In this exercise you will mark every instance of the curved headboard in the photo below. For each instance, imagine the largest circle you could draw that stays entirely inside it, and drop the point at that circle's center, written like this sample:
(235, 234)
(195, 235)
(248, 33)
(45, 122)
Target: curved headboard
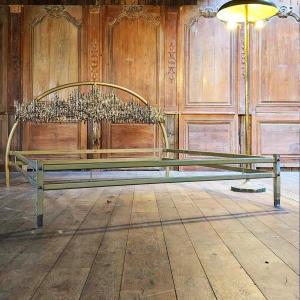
(76, 84)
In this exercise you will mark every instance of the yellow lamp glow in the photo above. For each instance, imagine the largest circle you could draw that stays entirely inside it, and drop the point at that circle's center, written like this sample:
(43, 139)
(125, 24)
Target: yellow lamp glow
(246, 11)
(232, 25)
(259, 24)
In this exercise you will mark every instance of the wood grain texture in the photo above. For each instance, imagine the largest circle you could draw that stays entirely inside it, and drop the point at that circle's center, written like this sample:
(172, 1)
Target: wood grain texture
(134, 51)
(14, 67)
(273, 88)
(208, 133)
(133, 136)
(146, 267)
(3, 81)
(3, 136)
(164, 241)
(208, 82)
(53, 51)
(3, 58)
(277, 133)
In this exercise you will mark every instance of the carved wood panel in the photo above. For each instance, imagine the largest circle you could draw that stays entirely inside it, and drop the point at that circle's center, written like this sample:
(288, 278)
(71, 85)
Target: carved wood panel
(3, 137)
(275, 91)
(278, 133)
(208, 63)
(3, 81)
(276, 66)
(3, 59)
(215, 133)
(128, 136)
(171, 25)
(52, 56)
(212, 133)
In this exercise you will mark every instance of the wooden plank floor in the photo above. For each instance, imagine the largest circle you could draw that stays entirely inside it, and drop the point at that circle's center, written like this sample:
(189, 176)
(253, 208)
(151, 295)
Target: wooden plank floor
(165, 241)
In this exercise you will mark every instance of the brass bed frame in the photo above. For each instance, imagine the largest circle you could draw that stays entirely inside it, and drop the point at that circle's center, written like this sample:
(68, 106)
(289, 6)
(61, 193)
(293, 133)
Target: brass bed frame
(34, 169)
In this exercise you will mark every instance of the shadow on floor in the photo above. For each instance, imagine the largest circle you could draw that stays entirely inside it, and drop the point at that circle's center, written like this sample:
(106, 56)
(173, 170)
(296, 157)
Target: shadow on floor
(45, 233)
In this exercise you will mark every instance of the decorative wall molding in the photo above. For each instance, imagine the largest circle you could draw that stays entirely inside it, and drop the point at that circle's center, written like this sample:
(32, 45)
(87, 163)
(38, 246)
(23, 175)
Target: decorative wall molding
(56, 11)
(172, 61)
(94, 60)
(285, 11)
(94, 9)
(15, 9)
(243, 54)
(203, 99)
(207, 12)
(135, 12)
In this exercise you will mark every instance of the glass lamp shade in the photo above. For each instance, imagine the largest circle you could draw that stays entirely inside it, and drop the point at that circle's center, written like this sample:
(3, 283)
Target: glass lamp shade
(242, 10)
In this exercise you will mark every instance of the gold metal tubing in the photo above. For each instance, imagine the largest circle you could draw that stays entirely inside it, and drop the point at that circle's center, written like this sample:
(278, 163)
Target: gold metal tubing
(247, 102)
(165, 136)
(10, 137)
(86, 151)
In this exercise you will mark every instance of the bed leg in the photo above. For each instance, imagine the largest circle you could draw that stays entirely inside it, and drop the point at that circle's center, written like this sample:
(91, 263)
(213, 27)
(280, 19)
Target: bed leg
(39, 195)
(39, 207)
(276, 180)
(167, 171)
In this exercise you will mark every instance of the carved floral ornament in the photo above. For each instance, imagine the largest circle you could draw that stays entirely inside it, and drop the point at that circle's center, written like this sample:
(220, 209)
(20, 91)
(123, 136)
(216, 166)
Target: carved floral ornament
(56, 11)
(211, 12)
(172, 61)
(207, 12)
(15, 9)
(94, 59)
(134, 12)
(285, 12)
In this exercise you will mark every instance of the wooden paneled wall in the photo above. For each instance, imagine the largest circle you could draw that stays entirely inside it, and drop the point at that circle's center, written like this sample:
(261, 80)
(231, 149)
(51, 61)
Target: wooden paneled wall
(275, 90)
(180, 58)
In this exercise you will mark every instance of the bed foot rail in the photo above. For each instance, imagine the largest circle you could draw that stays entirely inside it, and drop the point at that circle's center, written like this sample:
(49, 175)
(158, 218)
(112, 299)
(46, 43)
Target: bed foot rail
(276, 180)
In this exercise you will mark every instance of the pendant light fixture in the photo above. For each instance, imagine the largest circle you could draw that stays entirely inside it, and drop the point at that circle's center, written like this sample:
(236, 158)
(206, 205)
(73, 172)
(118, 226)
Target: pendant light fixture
(242, 11)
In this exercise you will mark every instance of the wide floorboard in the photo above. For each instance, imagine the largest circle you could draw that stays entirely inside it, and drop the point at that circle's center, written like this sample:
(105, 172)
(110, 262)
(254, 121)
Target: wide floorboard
(164, 241)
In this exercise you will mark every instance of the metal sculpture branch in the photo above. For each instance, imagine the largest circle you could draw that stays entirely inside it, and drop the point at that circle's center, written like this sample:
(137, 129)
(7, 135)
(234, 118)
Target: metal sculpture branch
(93, 105)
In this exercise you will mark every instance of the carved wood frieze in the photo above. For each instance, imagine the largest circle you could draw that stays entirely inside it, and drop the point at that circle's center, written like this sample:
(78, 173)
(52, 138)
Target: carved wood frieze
(207, 12)
(56, 11)
(285, 11)
(95, 9)
(94, 60)
(172, 61)
(134, 12)
(242, 47)
(15, 9)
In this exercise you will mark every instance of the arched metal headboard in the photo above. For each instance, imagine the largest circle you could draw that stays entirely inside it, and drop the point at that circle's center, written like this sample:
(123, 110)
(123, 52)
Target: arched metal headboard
(68, 85)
